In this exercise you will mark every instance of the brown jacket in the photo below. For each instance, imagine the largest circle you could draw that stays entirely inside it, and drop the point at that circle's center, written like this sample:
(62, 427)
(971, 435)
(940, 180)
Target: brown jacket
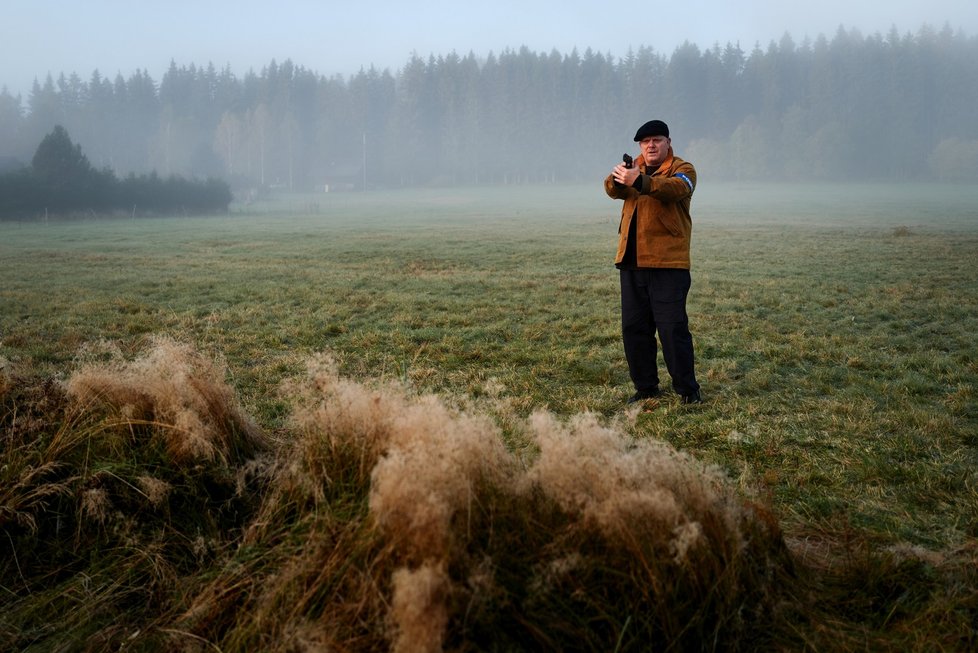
(661, 207)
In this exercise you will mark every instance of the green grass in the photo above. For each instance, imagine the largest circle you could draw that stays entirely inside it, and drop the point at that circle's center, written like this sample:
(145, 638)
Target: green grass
(835, 329)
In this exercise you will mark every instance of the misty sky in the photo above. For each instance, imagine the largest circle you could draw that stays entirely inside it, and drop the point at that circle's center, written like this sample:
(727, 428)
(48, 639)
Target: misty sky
(38, 37)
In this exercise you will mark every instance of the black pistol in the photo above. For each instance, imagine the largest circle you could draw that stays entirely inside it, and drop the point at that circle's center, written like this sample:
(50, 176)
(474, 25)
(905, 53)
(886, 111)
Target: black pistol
(627, 160)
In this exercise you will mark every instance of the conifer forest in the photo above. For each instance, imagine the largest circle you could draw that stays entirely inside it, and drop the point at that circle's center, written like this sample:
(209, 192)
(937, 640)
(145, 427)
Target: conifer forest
(848, 106)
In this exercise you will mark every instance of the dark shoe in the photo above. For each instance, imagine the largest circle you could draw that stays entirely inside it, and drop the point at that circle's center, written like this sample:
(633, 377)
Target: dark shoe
(693, 397)
(642, 395)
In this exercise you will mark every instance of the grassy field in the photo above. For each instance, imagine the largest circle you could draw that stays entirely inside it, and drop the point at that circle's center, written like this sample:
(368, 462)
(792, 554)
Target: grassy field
(836, 330)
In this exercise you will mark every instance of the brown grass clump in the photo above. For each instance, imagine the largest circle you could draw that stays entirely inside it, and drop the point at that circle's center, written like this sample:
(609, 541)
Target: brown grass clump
(30, 416)
(436, 464)
(371, 481)
(598, 539)
(103, 511)
(419, 608)
(177, 389)
(657, 546)
(613, 483)
(380, 521)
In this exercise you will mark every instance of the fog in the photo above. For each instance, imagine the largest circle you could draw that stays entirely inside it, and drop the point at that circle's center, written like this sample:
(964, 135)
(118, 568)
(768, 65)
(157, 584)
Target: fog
(310, 96)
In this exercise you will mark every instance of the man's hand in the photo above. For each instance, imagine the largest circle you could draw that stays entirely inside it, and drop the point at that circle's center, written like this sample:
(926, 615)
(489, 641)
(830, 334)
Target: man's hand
(625, 176)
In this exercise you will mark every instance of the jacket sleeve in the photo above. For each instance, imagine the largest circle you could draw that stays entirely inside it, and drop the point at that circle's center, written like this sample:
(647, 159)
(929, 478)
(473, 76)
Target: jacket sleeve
(617, 191)
(674, 188)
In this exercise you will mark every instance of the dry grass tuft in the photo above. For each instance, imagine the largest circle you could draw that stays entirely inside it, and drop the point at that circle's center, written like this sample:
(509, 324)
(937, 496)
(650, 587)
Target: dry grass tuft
(102, 518)
(95, 504)
(419, 608)
(177, 389)
(614, 482)
(397, 522)
(384, 521)
(31, 442)
(156, 490)
(472, 536)
(435, 463)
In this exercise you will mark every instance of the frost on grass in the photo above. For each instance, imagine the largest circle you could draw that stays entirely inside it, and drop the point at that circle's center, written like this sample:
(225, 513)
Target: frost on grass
(175, 388)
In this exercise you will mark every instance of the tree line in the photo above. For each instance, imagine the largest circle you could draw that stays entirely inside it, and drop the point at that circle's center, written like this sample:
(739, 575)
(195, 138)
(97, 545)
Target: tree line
(61, 181)
(851, 107)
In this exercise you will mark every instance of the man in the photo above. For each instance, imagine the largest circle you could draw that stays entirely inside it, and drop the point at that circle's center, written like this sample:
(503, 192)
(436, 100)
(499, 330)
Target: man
(653, 263)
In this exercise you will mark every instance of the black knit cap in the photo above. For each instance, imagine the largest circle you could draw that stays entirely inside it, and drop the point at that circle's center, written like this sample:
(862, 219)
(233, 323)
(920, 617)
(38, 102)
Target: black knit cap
(652, 128)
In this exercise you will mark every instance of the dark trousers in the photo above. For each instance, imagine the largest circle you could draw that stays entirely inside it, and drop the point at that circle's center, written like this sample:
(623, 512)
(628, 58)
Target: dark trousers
(654, 301)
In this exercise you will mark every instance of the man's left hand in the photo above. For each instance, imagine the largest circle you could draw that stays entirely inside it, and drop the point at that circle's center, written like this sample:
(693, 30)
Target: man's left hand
(625, 176)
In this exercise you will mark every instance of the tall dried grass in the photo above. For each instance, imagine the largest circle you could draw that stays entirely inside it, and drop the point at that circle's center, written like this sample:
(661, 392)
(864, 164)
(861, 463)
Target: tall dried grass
(114, 487)
(600, 540)
(453, 542)
(180, 391)
(31, 443)
(382, 521)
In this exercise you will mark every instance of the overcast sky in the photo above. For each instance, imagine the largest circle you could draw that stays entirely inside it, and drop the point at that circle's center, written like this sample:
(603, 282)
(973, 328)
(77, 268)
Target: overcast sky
(38, 37)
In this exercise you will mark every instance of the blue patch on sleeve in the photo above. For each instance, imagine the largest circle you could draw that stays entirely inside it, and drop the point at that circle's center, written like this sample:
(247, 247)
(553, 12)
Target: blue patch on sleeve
(687, 180)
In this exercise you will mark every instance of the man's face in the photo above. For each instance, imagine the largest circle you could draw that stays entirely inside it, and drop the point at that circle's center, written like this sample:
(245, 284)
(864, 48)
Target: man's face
(655, 149)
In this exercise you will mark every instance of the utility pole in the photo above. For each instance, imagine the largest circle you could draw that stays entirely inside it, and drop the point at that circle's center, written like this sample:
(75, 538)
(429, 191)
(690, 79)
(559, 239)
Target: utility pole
(365, 162)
